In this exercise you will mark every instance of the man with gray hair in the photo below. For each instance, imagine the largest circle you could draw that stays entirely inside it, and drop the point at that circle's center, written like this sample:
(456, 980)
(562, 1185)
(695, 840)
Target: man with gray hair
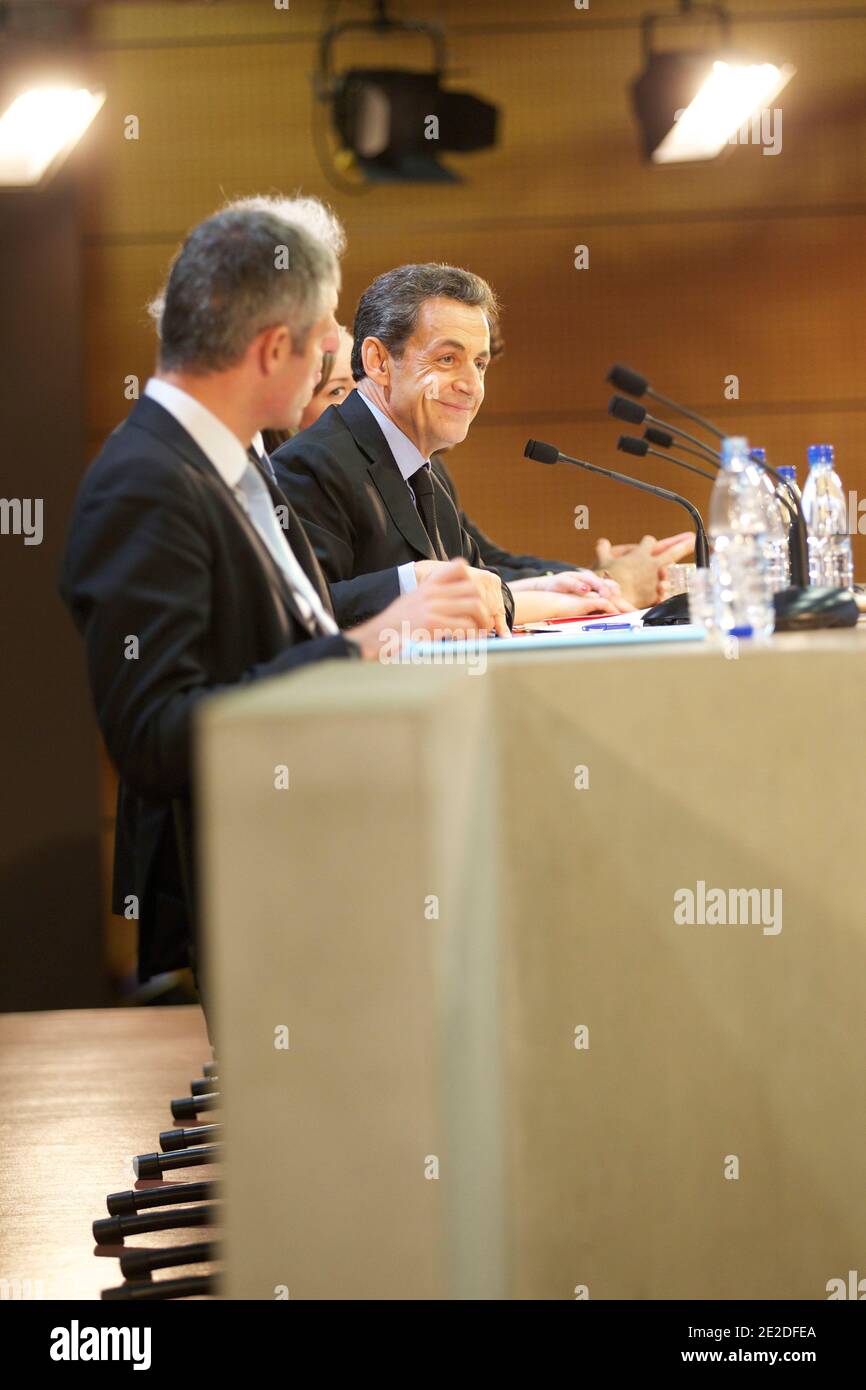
(179, 570)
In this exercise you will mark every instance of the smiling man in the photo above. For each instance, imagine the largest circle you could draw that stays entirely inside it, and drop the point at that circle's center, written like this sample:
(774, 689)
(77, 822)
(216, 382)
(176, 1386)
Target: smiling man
(379, 518)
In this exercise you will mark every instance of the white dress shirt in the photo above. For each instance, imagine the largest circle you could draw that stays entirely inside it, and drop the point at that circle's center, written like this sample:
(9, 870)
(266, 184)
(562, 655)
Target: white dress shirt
(229, 457)
(409, 459)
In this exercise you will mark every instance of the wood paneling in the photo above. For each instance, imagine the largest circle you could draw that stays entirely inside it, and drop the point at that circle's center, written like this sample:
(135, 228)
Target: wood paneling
(230, 112)
(769, 302)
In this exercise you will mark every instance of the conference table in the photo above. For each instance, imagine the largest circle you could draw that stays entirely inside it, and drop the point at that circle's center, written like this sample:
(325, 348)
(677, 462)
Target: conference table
(81, 1091)
(541, 976)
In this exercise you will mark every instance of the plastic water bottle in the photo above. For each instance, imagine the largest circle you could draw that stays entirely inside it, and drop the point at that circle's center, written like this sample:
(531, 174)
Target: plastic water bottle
(776, 548)
(742, 596)
(826, 513)
(789, 473)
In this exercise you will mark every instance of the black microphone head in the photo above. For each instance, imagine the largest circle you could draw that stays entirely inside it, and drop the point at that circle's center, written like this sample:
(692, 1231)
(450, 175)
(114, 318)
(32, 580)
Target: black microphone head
(629, 444)
(542, 453)
(659, 437)
(624, 379)
(629, 411)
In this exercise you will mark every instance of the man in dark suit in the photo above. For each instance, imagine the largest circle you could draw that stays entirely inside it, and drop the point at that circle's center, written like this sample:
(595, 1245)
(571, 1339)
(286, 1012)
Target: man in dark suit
(186, 569)
(378, 516)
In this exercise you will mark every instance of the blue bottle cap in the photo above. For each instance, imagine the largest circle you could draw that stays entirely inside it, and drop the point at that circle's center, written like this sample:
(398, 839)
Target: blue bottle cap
(747, 631)
(734, 446)
(788, 472)
(819, 453)
(759, 455)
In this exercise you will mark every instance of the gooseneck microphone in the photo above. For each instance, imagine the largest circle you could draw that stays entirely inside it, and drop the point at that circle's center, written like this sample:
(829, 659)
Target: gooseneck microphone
(633, 414)
(630, 444)
(546, 453)
(666, 441)
(633, 384)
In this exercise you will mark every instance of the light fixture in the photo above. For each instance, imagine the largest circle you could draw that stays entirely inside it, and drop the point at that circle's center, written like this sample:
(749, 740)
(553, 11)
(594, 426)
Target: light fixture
(691, 103)
(39, 128)
(393, 123)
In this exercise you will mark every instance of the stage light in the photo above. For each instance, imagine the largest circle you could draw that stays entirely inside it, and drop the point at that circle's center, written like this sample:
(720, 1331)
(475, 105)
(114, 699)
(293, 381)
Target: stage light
(393, 123)
(690, 103)
(39, 128)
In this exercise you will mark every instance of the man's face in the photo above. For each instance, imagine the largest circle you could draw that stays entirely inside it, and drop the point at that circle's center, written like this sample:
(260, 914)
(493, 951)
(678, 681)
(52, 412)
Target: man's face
(303, 369)
(436, 387)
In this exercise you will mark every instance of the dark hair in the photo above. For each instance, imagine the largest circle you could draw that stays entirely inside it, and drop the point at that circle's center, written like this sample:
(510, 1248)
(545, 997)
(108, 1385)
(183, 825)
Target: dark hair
(388, 309)
(236, 274)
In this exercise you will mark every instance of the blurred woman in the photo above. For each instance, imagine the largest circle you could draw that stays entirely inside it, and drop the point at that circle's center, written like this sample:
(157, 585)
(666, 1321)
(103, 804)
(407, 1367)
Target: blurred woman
(333, 386)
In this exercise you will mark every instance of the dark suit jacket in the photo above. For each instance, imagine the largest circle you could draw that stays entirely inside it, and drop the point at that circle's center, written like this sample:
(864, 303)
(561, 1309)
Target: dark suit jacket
(343, 480)
(159, 551)
(505, 562)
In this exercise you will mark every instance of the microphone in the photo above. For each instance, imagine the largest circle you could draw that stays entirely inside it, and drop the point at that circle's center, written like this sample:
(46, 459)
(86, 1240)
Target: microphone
(630, 444)
(667, 441)
(633, 384)
(801, 606)
(546, 453)
(634, 414)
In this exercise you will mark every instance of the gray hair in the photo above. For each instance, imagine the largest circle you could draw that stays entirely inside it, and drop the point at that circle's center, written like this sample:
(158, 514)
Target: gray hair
(237, 273)
(388, 309)
(307, 212)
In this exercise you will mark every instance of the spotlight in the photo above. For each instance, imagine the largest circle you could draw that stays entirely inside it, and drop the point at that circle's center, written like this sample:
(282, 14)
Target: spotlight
(690, 103)
(47, 100)
(394, 122)
(39, 128)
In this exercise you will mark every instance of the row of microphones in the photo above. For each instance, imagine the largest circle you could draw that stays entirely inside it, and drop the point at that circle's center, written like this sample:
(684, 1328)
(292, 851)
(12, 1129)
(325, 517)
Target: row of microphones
(633, 384)
(633, 414)
(801, 605)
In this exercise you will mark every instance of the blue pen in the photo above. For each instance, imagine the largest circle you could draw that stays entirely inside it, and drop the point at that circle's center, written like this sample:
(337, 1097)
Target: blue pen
(608, 627)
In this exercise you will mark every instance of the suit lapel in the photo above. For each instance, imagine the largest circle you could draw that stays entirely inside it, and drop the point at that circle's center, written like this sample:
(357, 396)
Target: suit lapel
(297, 538)
(386, 476)
(150, 415)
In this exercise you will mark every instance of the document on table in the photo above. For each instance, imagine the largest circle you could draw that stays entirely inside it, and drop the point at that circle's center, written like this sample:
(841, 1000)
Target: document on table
(602, 622)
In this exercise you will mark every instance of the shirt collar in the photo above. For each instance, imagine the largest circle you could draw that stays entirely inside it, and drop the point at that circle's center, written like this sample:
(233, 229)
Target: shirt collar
(216, 441)
(258, 444)
(407, 456)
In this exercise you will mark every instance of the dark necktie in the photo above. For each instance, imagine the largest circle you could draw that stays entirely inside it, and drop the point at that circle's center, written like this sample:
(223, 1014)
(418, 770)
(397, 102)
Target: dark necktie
(421, 484)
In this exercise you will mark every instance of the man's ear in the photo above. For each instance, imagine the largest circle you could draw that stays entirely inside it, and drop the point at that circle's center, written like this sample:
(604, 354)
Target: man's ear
(272, 346)
(374, 356)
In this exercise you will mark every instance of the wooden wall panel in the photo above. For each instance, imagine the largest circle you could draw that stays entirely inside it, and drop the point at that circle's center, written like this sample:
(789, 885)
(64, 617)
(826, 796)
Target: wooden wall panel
(229, 111)
(770, 302)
